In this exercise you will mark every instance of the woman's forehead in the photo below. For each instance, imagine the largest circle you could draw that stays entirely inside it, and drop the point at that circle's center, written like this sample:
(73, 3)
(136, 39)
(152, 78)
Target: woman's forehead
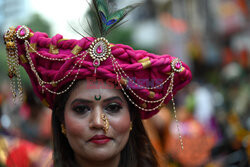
(89, 89)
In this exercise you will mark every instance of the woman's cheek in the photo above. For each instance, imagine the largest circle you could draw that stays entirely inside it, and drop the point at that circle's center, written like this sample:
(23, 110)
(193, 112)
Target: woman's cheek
(121, 124)
(74, 125)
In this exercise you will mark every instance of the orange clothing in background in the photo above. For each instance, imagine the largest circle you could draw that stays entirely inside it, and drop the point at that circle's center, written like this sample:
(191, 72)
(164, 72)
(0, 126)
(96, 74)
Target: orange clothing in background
(156, 128)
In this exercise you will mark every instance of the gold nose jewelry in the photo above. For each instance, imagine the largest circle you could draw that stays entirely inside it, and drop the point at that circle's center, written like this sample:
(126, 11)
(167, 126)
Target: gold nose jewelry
(106, 123)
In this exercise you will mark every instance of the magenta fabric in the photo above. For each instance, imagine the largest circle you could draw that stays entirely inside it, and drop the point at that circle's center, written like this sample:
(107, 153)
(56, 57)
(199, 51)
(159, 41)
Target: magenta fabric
(127, 57)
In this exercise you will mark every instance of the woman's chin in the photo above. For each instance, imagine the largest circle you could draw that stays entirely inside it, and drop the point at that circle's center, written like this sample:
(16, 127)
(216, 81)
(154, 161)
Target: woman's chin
(100, 156)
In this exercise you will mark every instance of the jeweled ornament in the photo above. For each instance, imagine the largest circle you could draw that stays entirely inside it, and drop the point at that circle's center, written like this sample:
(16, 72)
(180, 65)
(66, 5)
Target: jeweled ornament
(96, 62)
(177, 65)
(23, 32)
(100, 49)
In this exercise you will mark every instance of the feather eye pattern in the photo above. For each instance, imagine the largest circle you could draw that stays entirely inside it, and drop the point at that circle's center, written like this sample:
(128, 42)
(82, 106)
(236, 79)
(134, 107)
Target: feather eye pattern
(107, 19)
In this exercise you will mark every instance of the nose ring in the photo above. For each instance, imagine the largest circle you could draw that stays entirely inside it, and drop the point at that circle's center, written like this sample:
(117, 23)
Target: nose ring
(106, 123)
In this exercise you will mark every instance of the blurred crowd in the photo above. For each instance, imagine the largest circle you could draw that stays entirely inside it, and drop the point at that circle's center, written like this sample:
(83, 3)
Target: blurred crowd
(213, 111)
(213, 116)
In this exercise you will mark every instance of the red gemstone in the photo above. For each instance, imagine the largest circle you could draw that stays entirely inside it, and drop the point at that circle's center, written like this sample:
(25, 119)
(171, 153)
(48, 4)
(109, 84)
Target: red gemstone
(177, 65)
(96, 63)
(99, 49)
(11, 74)
(22, 32)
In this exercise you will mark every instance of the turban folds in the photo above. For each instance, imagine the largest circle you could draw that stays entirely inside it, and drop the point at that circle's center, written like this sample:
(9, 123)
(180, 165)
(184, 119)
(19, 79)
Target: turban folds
(148, 80)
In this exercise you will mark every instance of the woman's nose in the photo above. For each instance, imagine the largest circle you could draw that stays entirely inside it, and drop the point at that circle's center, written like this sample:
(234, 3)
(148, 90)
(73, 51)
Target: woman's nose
(96, 120)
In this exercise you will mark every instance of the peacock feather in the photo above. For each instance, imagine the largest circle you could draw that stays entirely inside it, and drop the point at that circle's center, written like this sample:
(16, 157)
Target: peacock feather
(107, 19)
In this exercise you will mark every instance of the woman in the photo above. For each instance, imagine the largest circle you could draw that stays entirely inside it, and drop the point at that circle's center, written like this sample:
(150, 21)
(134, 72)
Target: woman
(124, 143)
(97, 90)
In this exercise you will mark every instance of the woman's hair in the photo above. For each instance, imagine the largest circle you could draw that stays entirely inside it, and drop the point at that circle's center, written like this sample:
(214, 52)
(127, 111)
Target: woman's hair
(138, 151)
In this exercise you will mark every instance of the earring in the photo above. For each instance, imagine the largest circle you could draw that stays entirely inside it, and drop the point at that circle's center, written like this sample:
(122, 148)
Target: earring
(63, 129)
(131, 126)
(106, 123)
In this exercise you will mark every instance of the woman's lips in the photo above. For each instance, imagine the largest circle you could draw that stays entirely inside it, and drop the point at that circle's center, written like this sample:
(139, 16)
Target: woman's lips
(100, 139)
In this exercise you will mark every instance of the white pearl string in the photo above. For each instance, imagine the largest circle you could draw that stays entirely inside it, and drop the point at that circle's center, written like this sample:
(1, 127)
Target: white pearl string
(177, 122)
(143, 87)
(144, 109)
(12, 61)
(41, 82)
(57, 81)
(147, 101)
(65, 90)
(49, 58)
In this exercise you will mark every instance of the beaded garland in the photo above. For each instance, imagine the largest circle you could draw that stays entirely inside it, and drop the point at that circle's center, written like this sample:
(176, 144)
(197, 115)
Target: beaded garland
(12, 61)
(99, 51)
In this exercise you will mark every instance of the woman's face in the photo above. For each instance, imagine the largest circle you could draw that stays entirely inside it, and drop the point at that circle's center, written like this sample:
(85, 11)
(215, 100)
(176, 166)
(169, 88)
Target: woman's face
(85, 127)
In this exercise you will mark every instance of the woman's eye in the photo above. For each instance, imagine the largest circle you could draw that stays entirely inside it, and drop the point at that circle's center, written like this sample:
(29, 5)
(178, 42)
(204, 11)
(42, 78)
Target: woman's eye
(81, 109)
(113, 107)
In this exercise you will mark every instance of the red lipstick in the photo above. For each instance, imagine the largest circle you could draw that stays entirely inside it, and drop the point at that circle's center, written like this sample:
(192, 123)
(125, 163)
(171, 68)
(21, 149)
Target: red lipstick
(100, 139)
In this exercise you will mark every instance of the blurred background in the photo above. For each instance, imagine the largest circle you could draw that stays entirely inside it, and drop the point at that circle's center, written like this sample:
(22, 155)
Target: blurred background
(211, 36)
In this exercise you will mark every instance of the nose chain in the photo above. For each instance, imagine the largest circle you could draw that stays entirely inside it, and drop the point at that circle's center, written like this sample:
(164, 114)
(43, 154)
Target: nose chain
(106, 123)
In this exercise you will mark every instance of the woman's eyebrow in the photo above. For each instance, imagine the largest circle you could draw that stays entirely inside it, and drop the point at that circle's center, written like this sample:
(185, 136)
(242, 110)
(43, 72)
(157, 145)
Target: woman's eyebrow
(81, 101)
(113, 98)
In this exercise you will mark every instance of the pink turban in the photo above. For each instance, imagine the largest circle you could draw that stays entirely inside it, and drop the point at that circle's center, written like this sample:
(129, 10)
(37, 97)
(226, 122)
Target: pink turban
(55, 64)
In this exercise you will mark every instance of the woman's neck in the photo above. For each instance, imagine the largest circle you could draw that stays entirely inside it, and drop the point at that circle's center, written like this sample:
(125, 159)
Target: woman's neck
(112, 162)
